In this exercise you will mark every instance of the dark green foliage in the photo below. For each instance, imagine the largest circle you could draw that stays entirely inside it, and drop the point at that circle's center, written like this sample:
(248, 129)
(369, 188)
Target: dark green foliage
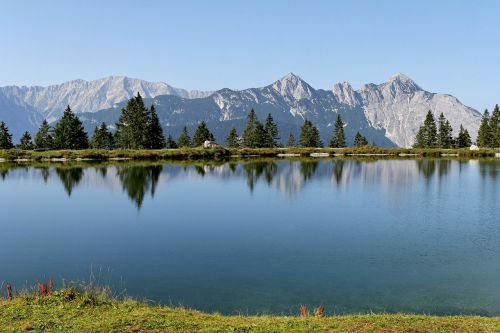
(445, 133)
(184, 139)
(69, 132)
(43, 138)
(427, 134)
(338, 138)
(360, 140)
(495, 127)
(202, 134)
(271, 133)
(5, 137)
(156, 140)
(463, 140)
(256, 135)
(26, 142)
(171, 144)
(232, 138)
(489, 131)
(291, 140)
(248, 132)
(484, 133)
(259, 135)
(309, 135)
(102, 138)
(132, 128)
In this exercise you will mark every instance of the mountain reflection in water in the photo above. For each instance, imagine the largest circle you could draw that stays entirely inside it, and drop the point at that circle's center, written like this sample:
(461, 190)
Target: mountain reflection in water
(138, 180)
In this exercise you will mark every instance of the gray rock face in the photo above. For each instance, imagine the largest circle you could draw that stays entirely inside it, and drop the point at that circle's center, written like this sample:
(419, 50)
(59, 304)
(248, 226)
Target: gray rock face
(399, 106)
(88, 96)
(388, 114)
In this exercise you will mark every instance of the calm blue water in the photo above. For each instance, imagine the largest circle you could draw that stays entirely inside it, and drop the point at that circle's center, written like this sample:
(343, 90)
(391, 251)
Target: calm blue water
(263, 237)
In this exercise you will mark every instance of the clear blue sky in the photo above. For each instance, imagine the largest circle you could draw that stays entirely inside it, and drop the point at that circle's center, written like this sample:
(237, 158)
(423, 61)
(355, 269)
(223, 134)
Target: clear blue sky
(447, 46)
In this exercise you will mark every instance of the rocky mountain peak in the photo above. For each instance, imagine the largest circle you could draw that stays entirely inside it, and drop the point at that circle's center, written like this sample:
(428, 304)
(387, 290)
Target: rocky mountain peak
(292, 87)
(344, 94)
(401, 82)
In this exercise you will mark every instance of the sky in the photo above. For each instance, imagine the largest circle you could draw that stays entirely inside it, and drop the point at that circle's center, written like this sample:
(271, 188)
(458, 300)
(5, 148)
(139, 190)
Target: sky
(444, 46)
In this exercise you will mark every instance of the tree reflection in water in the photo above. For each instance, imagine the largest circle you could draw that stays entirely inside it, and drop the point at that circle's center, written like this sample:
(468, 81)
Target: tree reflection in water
(254, 170)
(70, 177)
(138, 180)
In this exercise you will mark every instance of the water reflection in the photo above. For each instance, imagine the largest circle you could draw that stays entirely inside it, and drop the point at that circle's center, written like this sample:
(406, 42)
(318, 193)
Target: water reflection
(138, 180)
(286, 176)
(70, 177)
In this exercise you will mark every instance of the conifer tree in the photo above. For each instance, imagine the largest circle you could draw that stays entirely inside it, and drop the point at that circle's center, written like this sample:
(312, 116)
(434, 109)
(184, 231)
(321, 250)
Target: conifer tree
(360, 140)
(338, 138)
(156, 140)
(232, 138)
(69, 132)
(259, 136)
(309, 135)
(495, 127)
(102, 138)
(26, 143)
(201, 135)
(484, 133)
(291, 140)
(171, 144)
(445, 135)
(43, 138)
(184, 139)
(132, 127)
(427, 134)
(5, 137)
(463, 140)
(248, 132)
(272, 133)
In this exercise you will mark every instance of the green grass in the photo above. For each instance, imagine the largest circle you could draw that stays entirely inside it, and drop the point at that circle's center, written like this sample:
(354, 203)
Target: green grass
(71, 310)
(221, 153)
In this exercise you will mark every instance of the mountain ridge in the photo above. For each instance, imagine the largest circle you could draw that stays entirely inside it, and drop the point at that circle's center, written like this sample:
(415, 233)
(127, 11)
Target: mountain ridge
(388, 113)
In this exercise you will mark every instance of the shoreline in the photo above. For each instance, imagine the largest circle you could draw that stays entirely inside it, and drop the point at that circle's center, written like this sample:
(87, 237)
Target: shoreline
(218, 153)
(75, 310)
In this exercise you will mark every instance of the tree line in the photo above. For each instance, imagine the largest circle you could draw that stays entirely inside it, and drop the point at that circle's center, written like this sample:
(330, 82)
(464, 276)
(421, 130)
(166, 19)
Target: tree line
(139, 128)
(440, 134)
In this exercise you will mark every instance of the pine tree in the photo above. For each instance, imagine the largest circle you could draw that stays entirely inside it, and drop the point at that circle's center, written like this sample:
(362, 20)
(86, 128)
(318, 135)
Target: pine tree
(445, 135)
(69, 132)
(420, 138)
(43, 138)
(338, 138)
(360, 140)
(427, 136)
(463, 140)
(132, 127)
(171, 144)
(272, 133)
(484, 133)
(430, 130)
(5, 137)
(495, 127)
(259, 135)
(102, 138)
(156, 140)
(291, 140)
(26, 143)
(309, 135)
(232, 138)
(184, 139)
(201, 135)
(248, 133)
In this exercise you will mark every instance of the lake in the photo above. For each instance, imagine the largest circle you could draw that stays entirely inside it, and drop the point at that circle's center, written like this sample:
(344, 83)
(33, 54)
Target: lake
(262, 236)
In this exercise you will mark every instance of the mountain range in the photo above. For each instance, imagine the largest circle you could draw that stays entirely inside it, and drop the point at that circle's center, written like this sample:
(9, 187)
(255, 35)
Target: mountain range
(388, 114)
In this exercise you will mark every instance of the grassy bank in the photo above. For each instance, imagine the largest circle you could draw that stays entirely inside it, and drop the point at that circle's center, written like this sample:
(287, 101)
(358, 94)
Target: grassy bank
(70, 310)
(221, 153)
